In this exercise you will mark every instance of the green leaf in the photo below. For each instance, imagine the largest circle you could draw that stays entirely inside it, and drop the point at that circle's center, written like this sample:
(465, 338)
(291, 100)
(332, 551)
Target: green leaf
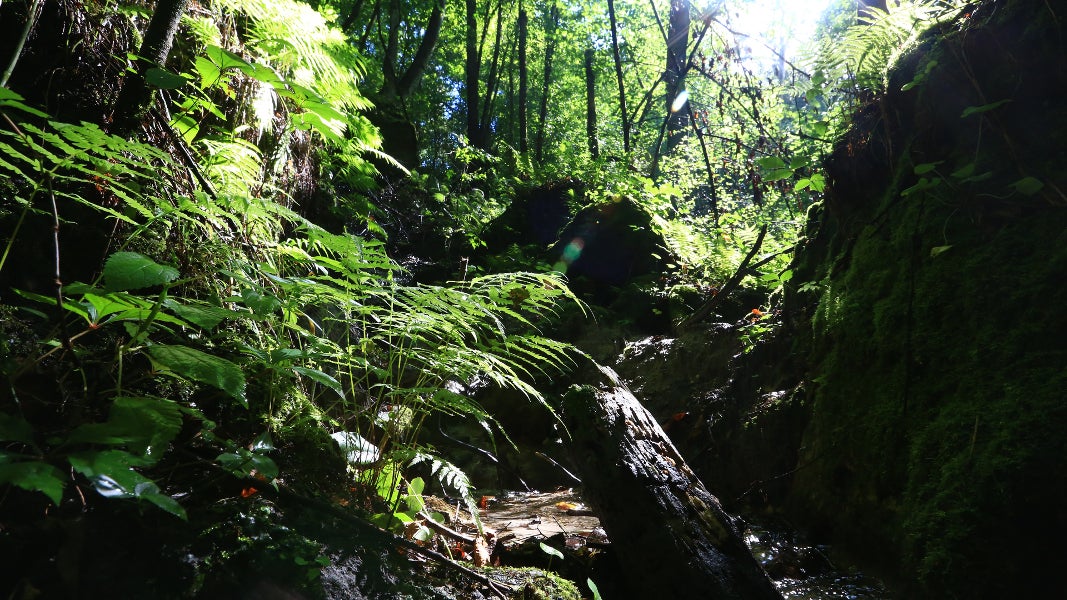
(414, 499)
(209, 72)
(34, 476)
(593, 588)
(163, 79)
(777, 174)
(321, 378)
(423, 534)
(261, 304)
(150, 491)
(201, 367)
(416, 486)
(549, 550)
(144, 425)
(187, 126)
(224, 59)
(263, 443)
(1028, 186)
(9, 98)
(14, 428)
(244, 463)
(926, 167)
(204, 316)
(975, 110)
(924, 183)
(131, 271)
(771, 162)
(936, 250)
(963, 172)
(112, 475)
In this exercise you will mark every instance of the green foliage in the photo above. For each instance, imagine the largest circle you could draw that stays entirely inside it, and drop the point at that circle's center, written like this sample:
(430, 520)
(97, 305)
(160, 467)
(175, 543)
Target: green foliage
(272, 323)
(869, 48)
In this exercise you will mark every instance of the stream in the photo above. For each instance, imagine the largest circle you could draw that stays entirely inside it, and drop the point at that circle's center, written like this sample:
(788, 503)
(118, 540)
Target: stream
(806, 572)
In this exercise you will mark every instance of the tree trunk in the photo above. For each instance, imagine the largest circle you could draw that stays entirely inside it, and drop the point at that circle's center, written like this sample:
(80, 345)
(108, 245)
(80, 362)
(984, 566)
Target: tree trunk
(618, 76)
(550, 46)
(472, 74)
(524, 139)
(671, 536)
(353, 15)
(136, 97)
(409, 80)
(492, 83)
(677, 57)
(590, 105)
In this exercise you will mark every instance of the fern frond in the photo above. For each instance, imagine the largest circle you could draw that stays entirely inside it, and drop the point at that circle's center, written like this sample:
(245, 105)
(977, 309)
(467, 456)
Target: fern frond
(869, 48)
(451, 476)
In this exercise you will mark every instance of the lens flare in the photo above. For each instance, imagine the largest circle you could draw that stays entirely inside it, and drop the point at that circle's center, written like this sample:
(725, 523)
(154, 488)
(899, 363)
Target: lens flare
(680, 101)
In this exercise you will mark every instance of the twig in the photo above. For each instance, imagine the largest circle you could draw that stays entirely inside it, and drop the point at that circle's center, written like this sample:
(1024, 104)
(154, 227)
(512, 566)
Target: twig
(445, 529)
(67, 345)
(729, 286)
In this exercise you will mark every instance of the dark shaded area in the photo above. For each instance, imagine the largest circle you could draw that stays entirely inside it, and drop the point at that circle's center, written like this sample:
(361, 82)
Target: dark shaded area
(611, 244)
(536, 215)
(936, 442)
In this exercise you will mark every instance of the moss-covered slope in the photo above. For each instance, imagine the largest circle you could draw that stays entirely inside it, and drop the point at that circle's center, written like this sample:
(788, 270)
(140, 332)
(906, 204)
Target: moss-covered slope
(934, 322)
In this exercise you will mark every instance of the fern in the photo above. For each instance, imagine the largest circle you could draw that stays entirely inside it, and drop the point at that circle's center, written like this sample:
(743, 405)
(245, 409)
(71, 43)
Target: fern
(234, 166)
(869, 48)
(451, 476)
(298, 40)
(65, 159)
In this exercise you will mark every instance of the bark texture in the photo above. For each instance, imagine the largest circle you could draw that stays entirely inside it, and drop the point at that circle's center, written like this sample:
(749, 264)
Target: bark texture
(672, 536)
(135, 97)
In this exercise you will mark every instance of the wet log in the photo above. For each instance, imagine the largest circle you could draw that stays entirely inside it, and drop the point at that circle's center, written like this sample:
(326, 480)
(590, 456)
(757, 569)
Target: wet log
(672, 537)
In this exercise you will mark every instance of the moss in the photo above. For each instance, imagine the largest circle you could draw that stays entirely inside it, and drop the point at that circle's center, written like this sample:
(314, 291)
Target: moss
(535, 584)
(936, 442)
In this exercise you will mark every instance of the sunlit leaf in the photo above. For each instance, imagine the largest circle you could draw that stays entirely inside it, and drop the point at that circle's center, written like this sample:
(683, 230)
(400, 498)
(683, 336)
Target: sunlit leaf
(593, 588)
(549, 550)
(132, 271)
(321, 378)
(202, 315)
(201, 367)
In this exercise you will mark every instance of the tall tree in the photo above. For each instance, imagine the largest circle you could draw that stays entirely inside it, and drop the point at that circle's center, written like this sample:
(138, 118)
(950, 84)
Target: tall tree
(590, 105)
(677, 57)
(492, 82)
(617, 56)
(399, 86)
(551, 25)
(472, 73)
(524, 140)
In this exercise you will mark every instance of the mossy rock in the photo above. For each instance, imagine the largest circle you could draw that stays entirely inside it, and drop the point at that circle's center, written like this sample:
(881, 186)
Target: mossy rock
(936, 442)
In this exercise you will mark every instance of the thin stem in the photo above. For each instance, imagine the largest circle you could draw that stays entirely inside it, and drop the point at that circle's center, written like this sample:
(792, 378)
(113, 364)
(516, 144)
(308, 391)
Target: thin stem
(31, 18)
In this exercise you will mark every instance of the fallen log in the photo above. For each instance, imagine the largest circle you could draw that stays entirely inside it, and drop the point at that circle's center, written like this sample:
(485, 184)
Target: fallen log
(672, 537)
